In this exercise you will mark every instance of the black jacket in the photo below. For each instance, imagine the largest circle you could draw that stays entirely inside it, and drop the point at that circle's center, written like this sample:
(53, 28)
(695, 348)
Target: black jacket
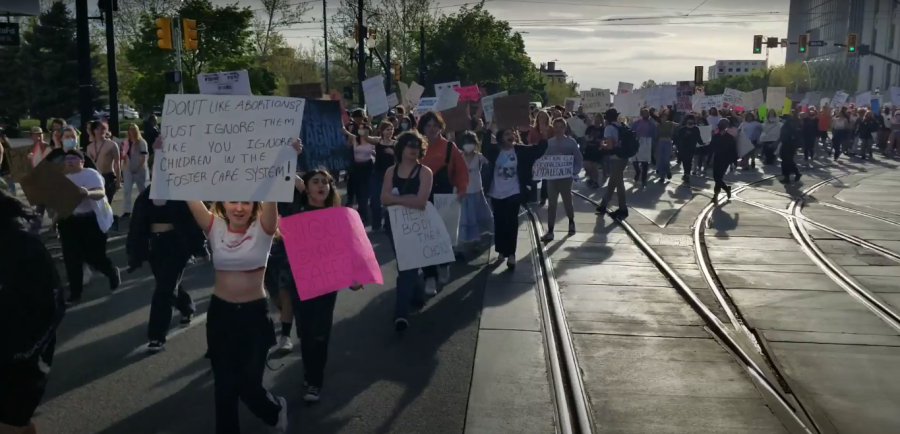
(687, 139)
(525, 158)
(138, 244)
(724, 149)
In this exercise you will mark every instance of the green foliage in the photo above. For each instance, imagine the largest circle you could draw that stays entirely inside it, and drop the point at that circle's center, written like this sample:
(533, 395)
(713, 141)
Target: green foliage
(556, 92)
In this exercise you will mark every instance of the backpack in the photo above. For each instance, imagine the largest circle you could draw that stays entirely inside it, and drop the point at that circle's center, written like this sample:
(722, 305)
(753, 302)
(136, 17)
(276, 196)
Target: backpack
(628, 143)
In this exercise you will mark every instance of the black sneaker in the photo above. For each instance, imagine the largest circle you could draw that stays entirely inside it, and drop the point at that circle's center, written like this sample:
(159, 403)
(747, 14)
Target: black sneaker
(127, 215)
(601, 210)
(620, 214)
(728, 192)
(401, 324)
(797, 177)
(115, 279)
(571, 227)
(186, 319)
(312, 394)
(156, 346)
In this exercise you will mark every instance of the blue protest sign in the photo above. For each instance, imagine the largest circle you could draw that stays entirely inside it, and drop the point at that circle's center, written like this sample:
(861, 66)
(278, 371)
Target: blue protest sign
(323, 139)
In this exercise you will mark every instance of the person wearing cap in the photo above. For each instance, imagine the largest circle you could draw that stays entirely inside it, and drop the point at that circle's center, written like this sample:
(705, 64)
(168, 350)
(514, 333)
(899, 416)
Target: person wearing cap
(83, 234)
(617, 166)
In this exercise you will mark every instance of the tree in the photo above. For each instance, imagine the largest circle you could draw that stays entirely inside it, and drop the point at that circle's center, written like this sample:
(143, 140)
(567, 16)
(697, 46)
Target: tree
(129, 18)
(276, 14)
(556, 92)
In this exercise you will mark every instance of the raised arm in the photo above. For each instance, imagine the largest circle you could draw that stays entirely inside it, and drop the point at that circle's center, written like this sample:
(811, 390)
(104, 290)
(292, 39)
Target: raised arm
(268, 219)
(201, 214)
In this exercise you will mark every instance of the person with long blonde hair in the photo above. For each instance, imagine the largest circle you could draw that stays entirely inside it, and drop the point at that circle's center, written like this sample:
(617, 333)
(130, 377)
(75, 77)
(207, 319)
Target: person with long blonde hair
(134, 168)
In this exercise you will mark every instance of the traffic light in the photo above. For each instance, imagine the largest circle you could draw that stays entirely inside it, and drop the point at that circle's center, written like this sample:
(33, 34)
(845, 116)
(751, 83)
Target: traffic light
(190, 34)
(802, 43)
(852, 40)
(397, 71)
(698, 75)
(164, 33)
(757, 44)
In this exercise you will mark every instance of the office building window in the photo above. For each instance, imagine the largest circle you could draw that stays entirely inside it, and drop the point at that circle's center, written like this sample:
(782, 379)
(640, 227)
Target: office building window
(730, 69)
(721, 69)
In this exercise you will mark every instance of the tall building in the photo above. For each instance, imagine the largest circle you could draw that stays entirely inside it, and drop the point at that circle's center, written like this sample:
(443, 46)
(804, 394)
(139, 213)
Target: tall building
(724, 68)
(881, 20)
(827, 20)
(549, 70)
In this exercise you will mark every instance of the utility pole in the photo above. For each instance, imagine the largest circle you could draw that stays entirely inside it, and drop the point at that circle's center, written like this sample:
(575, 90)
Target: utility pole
(361, 64)
(387, 64)
(325, 29)
(83, 43)
(111, 69)
(422, 55)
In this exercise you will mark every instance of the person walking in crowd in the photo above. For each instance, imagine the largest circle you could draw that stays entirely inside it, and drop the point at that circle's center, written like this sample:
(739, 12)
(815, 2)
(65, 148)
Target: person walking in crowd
(361, 171)
(809, 132)
(106, 156)
(450, 172)
(163, 233)
(894, 136)
(790, 141)
(841, 131)
(753, 129)
(83, 234)
(560, 144)
(770, 137)
(384, 159)
(133, 166)
(824, 123)
(645, 130)
(541, 130)
(687, 139)
(359, 128)
(867, 130)
(32, 307)
(510, 166)
(723, 146)
(665, 131)
(5, 148)
(151, 132)
(593, 156)
(407, 183)
(475, 215)
(612, 138)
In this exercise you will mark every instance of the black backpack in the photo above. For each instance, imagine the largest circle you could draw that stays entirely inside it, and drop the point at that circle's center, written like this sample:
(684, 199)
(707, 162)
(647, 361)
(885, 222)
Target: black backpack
(628, 143)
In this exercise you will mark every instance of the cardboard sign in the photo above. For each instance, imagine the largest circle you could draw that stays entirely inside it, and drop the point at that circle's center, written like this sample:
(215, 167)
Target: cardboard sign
(305, 90)
(572, 104)
(684, 92)
(425, 105)
(627, 104)
(225, 83)
(732, 97)
(392, 100)
(414, 94)
(441, 87)
(376, 97)
(839, 99)
(19, 164)
(554, 167)
(654, 97)
(787, 105)
(47, 185)
(227, 148)
(449, 208)
(487, 104)
(404, 91)
(595, 101)
(876, 104)
(457, 118)
(328, 250)
(753, 100)
(669, 95)
(511, 111)
(468, 93)
(624, 88)
(336, 96)
(744, 145)
(863, 99)
(420, 237)
(577, 126)
(324, 143)
(895, 95)
(447, 99)
(705, 133)
(775, 97)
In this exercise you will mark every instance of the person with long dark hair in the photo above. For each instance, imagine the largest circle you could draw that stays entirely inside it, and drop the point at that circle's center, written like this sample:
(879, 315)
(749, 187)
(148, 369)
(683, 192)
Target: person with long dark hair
(687, 139)
(723, 146)
(384, 159)
(790, 141)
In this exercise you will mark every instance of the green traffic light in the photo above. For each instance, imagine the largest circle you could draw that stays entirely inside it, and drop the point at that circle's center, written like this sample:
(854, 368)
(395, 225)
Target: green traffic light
(802, 49)
(852, 48)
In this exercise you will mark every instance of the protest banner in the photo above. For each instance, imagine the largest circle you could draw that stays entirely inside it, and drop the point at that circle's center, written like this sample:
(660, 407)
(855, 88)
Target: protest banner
(754, 99)
(414, 94)
(627, 104)
(839, 99)
(554, 167)
(457, 118)
(732, 97)
(863, 99)
(468, 93)
(775, 97)
(762, 111)
(420, 237)
(305, 90)
(824, 102)
(425, 105)
(19, 163)
(448, 207)
(572, 104)
(786, 106)
(404, 93)
(47, 185)
(654, 97)
(744, 144)
(670, 95)
(225, 83)
(440, 87)
(228, 148)
(324, 144)
(624, 88)
(511, 111)
(487, 104)
(577, 126)
(328, 250)
(336, 96)
(876, 104)
(376, 97)
(895, 95)
(447, 99)
(684, 92)
(595, 101)
(392, 100)
(705, 133)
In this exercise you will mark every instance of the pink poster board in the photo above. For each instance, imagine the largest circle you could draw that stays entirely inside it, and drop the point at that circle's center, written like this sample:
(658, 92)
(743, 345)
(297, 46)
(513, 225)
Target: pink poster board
(328, 250)
(468, 93)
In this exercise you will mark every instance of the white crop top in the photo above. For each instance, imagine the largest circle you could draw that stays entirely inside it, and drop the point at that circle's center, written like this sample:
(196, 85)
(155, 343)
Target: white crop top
(238, 251)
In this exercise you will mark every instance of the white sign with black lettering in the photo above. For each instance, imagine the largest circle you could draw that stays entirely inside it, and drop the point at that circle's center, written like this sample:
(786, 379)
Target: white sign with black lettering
(227, 148)
(225, 83)
(554, 167)
(448, 207)
(420, 237)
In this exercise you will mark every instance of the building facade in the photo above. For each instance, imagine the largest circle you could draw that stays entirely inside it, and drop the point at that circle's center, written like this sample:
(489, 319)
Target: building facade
(881, 20)
(725, 68)
(550, 72)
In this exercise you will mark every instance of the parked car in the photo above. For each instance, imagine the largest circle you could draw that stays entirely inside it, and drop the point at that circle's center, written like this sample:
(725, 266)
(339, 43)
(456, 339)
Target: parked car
(10, 127)
(125, 112)
(75, 120)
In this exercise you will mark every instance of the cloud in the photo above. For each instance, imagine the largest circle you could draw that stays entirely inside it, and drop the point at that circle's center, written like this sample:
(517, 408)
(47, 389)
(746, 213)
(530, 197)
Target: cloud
(580, 33)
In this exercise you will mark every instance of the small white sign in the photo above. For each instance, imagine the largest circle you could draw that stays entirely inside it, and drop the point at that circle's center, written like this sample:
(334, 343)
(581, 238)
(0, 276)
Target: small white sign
(733, 97)
(420, 238)
(376, 97)
(414, 94)
(577, 126)
(439, 88)
(775, 98)
(595, 100)
(705, 134)
(839, 99)
(227, 148)
(554, 167)
(224, 83)
(447, 99)
(392, 100)
(425, 105)
(448, 207)
(488, 104)
(624, 88)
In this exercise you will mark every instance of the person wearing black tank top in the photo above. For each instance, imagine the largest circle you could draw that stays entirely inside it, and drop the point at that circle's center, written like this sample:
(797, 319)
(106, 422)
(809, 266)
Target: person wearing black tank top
(407, 183)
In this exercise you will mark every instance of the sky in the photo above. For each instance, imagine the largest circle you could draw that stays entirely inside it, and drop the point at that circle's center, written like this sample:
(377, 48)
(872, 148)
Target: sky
(599, 43)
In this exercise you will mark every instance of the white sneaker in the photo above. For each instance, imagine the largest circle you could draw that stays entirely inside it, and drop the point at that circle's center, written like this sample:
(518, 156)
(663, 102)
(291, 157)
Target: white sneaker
(511, 261)
(444, 274)
(285, 345)
(86, 277)
(282, 425)
(430, 287)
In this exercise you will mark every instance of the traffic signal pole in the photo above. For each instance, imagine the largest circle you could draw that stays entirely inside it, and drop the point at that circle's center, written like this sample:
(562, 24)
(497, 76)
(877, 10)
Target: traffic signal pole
(85, 89)
(176, 34)
(111, 69)
(361, 64)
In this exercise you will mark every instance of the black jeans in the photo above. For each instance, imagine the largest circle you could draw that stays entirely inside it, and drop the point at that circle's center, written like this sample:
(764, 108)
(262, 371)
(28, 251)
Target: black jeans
(239, 336)
(616, 184)
(788, 166)
(506, 224)
(110, 186)
(314, 318)
(83, 243)
(686, 155)
(718, 178)
(167, 262)
(640, 171)
(809, 147)
(361, 174)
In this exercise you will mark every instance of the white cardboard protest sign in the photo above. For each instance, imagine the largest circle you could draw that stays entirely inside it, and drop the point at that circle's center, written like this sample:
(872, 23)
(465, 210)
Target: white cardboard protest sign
(448, 207)
(895, 95)
(839, 99)
(224, 83)
(595, 100)
(624, 88)
(447, 99)
(227, 148)
(440, 87)
(392, 100)
(753, 100)
(554, 167)
(420, 237)
(775, 98)
(654, 97)
(744, 144)
(404, 92)
(669, 95)
(733, 97)
(577, 126)
(376, 97)
(575, 102)
(487, 103)
(414, 94)
(864, 99)
(771, 132)
(425, 105)
(705, 133)
(627, 104)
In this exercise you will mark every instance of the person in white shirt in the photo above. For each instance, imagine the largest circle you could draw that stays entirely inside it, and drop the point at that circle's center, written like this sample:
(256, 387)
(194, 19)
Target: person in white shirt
(83, 234)
(475, 213)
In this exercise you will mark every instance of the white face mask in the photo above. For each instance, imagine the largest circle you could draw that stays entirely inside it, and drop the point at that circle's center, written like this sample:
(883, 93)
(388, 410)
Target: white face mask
(468, 148)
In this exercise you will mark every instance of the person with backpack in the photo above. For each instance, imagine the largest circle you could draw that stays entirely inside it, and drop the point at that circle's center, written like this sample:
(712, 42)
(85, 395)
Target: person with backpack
(621, 144)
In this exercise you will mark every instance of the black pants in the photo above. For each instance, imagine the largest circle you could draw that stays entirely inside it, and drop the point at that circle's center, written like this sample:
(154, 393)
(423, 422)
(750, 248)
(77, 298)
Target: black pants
(616, 184)
(360, 174)
(640, 171)
(788, 166)
(809, 147)
(167, 262)
(718, 178)
(239, 336)
(686, 155)
(110, 186)
(314, 318)
(83, 243)
(506, 224)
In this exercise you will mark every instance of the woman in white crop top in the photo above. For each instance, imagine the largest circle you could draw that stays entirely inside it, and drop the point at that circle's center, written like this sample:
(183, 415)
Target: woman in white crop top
(239, 331)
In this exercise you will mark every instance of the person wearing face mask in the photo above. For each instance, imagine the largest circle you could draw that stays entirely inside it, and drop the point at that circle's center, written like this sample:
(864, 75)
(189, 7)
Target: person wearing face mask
(164, 234)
